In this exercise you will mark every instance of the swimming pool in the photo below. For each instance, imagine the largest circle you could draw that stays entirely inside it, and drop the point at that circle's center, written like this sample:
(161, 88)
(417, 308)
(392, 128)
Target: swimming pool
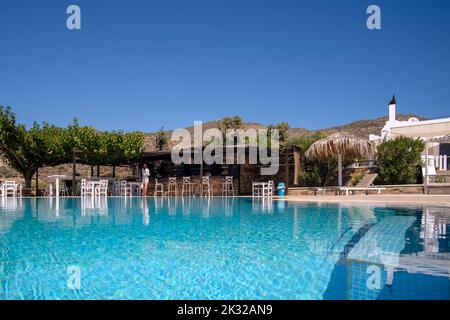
(220, 248)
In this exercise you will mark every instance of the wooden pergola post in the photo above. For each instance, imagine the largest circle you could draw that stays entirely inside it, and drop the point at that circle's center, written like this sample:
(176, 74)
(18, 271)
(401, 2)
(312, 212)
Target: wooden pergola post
(74, 170)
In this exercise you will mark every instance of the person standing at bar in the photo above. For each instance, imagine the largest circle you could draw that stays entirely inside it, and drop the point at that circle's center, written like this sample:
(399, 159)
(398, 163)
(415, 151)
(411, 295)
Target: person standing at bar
(145, 179)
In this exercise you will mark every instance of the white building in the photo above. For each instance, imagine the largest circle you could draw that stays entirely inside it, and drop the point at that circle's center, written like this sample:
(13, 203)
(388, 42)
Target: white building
(436, 134)
(413, 127)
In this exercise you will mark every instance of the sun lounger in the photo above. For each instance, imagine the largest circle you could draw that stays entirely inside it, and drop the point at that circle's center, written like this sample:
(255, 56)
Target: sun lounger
(366, 185)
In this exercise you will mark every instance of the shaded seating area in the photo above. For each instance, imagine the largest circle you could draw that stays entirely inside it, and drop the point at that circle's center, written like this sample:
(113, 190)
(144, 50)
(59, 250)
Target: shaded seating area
(168, 179)
(10, 189)
(227, 180)
(59, 185)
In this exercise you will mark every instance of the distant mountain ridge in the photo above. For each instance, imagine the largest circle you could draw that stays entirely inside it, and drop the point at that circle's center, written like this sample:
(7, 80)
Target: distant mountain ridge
(360, 128)
(363, 128)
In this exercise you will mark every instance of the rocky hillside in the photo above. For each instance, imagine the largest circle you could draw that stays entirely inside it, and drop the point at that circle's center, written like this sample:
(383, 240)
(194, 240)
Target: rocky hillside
(360, 128)
(364, 128)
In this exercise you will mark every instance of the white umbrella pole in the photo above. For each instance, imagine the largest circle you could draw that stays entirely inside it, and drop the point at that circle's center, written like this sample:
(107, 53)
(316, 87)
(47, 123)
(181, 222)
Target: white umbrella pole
(340, 169)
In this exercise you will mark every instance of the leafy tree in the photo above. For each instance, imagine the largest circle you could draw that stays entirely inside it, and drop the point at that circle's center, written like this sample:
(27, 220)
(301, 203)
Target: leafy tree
(399, 161)
(87, 140)
(26, 151)
(305, 141)
(48, 145)
(234, 122)
(230, 123)
(107, 148)
(117, 147)
(111, 147)
(14, 146)
(133, 145)
(161, 139)
(282, 128)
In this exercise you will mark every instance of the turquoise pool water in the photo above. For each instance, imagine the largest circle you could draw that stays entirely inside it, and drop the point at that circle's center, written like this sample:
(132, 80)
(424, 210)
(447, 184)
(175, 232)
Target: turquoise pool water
(220, 248)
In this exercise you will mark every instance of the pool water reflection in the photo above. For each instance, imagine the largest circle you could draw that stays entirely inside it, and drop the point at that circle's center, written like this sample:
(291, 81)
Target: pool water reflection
(221, 248)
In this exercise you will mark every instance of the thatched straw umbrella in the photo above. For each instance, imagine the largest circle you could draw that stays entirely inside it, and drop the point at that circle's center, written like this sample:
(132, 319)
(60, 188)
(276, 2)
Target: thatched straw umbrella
(343, 145)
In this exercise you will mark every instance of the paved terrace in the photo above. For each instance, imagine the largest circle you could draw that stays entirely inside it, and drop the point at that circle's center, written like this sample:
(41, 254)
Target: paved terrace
(394, 199)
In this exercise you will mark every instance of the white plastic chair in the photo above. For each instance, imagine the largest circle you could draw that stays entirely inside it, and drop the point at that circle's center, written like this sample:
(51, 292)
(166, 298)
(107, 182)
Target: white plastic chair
(125, 190)
(10, 187)
(102, 189)
(88, 189)
(257, 189)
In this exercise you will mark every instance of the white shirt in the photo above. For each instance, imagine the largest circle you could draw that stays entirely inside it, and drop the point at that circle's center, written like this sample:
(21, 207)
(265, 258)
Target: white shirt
(145, 173)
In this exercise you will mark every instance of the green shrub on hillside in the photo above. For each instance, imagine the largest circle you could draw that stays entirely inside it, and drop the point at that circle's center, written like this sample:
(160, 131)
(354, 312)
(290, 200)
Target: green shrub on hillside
(399, 161)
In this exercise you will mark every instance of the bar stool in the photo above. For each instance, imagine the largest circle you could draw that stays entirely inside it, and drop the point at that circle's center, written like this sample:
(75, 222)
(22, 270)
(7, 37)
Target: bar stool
(205, 187)
(227, 187)
(267, 189)
(159, 188)
(186, 186)
(172, 187)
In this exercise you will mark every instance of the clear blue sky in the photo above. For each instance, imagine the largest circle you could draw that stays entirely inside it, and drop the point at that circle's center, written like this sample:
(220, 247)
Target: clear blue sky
(140, 65)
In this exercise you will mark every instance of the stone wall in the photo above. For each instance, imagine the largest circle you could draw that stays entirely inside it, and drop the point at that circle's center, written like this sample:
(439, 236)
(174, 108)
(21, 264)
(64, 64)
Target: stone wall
(398, 189)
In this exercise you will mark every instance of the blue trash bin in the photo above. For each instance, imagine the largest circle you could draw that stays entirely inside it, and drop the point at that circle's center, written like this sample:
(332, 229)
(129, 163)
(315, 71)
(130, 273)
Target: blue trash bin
(281, 189)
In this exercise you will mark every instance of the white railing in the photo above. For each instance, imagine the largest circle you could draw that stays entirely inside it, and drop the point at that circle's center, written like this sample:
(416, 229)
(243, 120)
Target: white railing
(439, 162)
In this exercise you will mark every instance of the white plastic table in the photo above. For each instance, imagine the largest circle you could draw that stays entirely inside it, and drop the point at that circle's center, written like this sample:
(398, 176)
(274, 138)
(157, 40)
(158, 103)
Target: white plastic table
(258, 185)
(57, 179)
(135, 186)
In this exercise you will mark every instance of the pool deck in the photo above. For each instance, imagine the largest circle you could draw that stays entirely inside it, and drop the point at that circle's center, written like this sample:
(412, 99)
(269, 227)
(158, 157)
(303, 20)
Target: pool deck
(407, 199)
(394, 199)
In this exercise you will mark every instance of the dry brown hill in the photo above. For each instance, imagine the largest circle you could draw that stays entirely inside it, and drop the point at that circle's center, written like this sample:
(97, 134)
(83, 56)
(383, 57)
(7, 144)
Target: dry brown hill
(361, 128)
